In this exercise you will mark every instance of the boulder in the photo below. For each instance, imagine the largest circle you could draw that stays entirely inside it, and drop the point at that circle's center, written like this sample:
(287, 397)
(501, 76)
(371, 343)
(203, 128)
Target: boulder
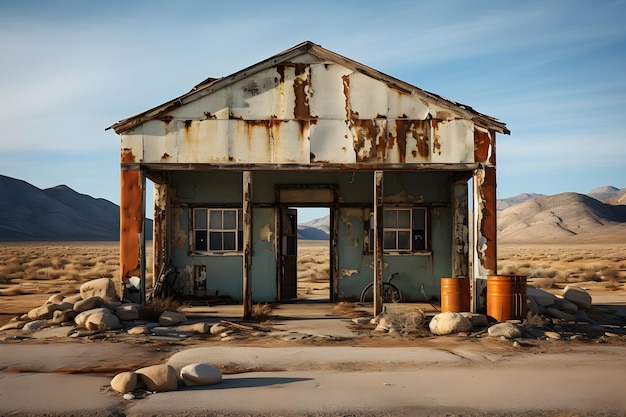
(138, 330)
(46, 311)
(124, 382)
(506, 330)
(35, 325)
(101, 287)
(219, 328)
(542, 298)
(102, 321)
(59, 316)
(200, 374)
(72, 299)
(13, 325)
(171, 318)
(196, 328)
(88, 304)
(449, 322)
(81, 318)
(477, 320)
(577, 296)
(533, 306)
(128, 312)
(55, 299)
(158, 377)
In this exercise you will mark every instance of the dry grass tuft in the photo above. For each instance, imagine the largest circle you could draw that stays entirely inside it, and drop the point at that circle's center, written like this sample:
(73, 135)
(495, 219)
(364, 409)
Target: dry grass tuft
(406, 322)
(262, 311)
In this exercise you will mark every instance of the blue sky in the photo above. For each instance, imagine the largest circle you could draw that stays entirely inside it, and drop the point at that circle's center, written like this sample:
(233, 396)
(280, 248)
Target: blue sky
(553, 71)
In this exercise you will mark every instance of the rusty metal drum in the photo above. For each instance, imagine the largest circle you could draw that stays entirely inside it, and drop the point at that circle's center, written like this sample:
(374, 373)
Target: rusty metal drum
(506, 297)
(455, 294)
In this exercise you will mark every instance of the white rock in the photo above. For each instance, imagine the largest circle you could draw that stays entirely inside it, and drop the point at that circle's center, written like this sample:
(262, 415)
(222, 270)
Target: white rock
(102, 287)
(577, 296)
(506, 330)
(128, 312)
(219, 328)
(103, 320)
(138, 330)
(552, 335)
(33, 326)
(124, 382)
(81, 318)
(55, 299)
(449, 322)
(196, 328)
(88, 304)
(200, 374)
(158, 377)
(73, 299)
(128, 396)
(46, 311)
(13, 325)
(171, 318)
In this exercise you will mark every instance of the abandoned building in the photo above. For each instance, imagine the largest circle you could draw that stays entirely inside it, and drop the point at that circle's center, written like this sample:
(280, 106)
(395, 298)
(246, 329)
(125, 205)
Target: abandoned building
(395, 165)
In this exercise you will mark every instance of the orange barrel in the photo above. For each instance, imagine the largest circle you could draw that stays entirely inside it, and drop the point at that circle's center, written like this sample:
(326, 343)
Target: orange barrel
(455, 294)
(506, 297)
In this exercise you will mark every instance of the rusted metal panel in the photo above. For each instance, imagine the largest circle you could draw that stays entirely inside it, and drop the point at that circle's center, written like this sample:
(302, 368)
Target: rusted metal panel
(161, 224)
(453, 141)
(483, 146)
(131, 221)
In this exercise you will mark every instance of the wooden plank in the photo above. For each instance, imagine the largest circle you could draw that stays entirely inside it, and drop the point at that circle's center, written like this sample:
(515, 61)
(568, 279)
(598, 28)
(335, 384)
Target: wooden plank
(247, 244)
(378, 242)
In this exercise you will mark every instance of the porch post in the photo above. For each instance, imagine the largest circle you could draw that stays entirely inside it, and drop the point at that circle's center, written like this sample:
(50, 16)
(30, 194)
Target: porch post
(247, 244)
(378, 242)
(132, 237)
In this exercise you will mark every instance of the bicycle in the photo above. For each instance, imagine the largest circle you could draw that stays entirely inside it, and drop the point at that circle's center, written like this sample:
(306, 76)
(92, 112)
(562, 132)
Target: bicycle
(390, 293)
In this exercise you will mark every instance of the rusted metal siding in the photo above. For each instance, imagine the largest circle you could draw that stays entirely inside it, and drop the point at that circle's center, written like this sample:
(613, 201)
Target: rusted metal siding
(131, 220)
(305, 113)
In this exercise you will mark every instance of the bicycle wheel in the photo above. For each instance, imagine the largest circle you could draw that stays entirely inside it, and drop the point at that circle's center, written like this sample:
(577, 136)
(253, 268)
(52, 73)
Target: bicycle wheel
(391, 294)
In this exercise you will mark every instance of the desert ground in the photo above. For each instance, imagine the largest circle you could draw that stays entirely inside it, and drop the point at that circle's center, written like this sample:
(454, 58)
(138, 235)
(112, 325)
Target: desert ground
(31, 272)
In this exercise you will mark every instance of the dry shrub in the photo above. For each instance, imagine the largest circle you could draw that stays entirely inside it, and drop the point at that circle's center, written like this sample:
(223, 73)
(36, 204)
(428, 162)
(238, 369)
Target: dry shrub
(154, 307)
(544, 283)
(406, 322)
(534, 320)
(262, 311)
(17, 290)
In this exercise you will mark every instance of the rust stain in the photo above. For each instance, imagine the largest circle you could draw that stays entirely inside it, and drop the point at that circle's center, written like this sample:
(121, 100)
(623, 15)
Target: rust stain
(482, 143)
(488, 224)
(436, 137)
(131, 223)
(209, 116)
(127, 155)
(416, 129)
(165, 157)
(302, 109)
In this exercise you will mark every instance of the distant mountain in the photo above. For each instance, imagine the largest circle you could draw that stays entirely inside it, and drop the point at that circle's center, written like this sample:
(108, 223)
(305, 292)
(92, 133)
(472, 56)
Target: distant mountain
(609, 194)
(317, 229)
(511, 201)
(28, 213)
(562, 217)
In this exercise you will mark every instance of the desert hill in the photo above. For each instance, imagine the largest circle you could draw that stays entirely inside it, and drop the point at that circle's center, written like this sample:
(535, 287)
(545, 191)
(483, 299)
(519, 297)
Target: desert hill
(28, 213)
(504, 203)
(562, 217)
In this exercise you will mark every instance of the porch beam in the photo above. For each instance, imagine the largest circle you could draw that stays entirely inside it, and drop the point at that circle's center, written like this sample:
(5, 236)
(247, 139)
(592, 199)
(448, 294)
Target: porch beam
(247, 244)
(378, 242)
(131, 224)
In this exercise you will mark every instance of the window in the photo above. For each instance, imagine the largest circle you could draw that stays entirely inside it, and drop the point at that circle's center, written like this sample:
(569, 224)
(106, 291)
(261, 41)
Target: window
(404, 229)
(217, 230)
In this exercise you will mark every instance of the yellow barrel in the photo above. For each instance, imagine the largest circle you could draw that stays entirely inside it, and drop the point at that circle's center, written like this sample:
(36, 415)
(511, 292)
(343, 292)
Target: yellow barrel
(455, 294)
(506, 297)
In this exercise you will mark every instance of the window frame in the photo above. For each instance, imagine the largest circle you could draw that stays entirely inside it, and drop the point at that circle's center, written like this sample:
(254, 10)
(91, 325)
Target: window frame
(211, 231)
(411, 229)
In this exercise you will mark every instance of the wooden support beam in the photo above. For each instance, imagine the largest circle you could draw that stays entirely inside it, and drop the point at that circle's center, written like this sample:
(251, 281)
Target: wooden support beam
(378, 242)
(132, 208)
(247, 244)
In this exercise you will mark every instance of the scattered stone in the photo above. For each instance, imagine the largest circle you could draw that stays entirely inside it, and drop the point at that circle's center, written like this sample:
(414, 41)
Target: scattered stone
(158, 377)
(128, 396)
(611, 334)
(103, 320)
(128, 312)
(171, 318)
(449, 322)
(558, 314)
(53, 332)
(552, 335)
(102, 287)
(35, 325)
(81, 318)
(361, 320)
(219, 328)
(14, 325)
(505, 330)
(88, 304)
(124, 382)
(139, 330)
(195, 328)
(46, 311)
(55, 299)
(83, 333)
(577, 296)
(516, 344)
(72, 299)
(229, 338)
(59, 317)
(200, 374)
(477, 320)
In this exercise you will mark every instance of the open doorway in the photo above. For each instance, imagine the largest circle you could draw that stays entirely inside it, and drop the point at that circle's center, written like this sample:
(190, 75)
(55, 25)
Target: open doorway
(313, 254)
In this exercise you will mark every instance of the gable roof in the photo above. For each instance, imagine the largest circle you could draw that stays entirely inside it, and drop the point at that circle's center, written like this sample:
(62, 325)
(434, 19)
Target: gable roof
(210, 85)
